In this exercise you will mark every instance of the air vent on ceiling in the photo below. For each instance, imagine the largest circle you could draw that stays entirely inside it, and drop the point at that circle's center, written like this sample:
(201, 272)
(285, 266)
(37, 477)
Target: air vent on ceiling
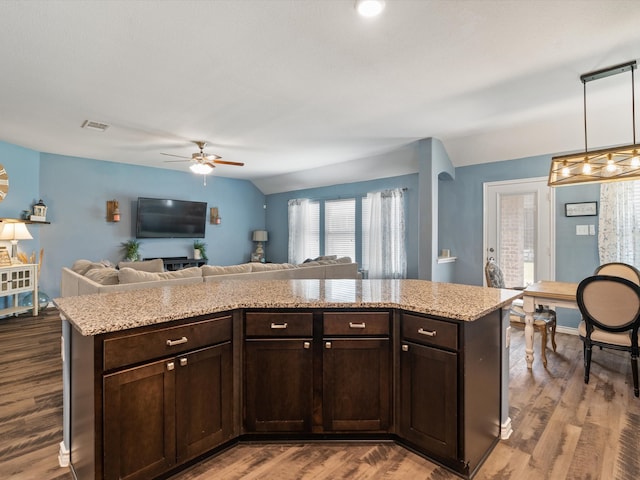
(98, 126)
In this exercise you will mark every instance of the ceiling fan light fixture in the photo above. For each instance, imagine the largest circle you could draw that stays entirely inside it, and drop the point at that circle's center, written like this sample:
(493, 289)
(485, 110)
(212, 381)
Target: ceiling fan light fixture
(370, 8)
(201, 168)
(604, 165)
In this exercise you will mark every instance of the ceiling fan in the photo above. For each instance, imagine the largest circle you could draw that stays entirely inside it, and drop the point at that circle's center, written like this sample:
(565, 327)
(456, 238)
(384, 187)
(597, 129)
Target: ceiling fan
(202, 163)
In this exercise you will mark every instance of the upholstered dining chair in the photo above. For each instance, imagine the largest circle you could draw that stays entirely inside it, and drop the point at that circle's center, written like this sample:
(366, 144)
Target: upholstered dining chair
(544, 318)
(610, 308)
(619, 269)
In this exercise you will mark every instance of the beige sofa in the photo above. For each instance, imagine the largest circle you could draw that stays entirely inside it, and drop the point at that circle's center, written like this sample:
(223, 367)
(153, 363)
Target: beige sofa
(86, 277)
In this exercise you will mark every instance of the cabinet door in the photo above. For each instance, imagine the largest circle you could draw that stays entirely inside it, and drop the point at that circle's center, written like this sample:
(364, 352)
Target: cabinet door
(139, 421)
(356, 385)
(278, 385)
(204, 400)
(429, 399)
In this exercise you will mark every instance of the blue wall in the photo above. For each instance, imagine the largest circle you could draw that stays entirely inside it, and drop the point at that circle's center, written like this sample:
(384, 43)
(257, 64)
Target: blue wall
(277, 214)
(75, 191)
(461, 203)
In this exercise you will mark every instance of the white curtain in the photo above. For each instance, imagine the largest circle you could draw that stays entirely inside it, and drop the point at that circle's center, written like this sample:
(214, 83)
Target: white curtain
(619, 223)
(387, 254)
(298, 229)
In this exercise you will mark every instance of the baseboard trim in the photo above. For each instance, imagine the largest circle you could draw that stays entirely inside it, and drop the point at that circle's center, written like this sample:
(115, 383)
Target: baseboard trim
(505, 429)
(63, 456)
(567, 330)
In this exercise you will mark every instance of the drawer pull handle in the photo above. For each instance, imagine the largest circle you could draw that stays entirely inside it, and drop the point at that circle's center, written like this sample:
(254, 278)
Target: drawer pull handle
(171, 343)
(428, 333)
(357, 325)
(279, 325)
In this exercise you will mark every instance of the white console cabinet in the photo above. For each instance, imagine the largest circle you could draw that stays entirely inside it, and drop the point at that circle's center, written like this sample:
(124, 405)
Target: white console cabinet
(16, 279)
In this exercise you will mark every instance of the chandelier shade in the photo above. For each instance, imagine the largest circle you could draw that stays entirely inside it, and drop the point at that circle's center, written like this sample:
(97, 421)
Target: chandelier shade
(603, 165)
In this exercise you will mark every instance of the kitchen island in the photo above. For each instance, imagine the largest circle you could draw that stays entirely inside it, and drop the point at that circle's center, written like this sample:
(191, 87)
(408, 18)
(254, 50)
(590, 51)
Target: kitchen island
(160, 378)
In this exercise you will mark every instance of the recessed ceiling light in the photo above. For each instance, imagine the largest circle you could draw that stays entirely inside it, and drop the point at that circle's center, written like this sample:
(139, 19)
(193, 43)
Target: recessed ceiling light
(370, 8)
(97, 126)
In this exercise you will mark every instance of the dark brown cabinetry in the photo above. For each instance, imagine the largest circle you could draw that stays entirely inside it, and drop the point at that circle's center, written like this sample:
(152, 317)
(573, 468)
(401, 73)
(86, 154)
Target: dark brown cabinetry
(158, 411)
(450, 388)
(278, 366)
(356, 372)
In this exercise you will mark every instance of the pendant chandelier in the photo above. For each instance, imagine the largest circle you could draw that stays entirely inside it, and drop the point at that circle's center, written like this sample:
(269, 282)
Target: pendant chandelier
(605, 165)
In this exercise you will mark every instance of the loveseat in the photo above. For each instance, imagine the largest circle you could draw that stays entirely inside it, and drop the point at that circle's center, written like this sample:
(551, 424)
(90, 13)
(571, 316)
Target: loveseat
(86, 277)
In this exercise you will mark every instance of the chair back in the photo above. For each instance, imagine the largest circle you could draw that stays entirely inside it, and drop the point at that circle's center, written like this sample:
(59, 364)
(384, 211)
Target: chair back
(618, 269)
(493, 274)
(610, 303)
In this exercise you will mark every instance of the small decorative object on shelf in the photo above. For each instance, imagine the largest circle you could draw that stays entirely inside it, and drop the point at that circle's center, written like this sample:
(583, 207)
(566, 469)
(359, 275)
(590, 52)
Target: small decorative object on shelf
(131, 250)
(199, 250)
(113, 211)
(39, 212)
(5, 259)
(215, 218)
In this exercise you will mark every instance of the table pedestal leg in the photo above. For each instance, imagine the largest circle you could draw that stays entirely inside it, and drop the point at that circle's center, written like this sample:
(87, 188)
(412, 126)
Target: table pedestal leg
(529, 308)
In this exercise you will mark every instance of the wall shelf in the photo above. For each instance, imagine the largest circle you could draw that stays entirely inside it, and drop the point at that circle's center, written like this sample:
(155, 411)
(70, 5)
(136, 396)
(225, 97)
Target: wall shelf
(20, 220)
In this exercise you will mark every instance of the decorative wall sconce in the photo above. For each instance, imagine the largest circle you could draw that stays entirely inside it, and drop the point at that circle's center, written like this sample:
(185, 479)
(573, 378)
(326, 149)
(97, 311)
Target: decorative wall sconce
(113, 211)
(215, 218)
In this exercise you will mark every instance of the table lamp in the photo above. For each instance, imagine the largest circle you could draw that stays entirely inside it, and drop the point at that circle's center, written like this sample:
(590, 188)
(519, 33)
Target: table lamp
(14, 232)
(260, 236)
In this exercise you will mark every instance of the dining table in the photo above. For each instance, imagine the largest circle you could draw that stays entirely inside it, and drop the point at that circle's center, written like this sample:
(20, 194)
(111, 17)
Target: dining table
(545, 292)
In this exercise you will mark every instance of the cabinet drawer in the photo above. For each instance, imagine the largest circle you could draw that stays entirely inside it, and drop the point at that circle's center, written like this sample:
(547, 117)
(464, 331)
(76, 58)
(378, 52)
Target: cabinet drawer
(355, 323)
(136, 348)
(429, 331)
(276, 324)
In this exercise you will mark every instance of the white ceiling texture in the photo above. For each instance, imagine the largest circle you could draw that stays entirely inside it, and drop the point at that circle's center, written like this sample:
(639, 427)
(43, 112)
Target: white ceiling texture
(293, 88)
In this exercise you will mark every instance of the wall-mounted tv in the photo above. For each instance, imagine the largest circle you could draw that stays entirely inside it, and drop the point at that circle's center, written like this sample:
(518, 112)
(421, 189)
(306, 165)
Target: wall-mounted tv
(163, 218)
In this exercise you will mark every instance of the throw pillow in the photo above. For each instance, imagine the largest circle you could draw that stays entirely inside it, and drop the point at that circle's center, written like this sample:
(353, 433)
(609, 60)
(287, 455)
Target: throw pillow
(209, 270)
(129, 275)
(81, 267)
(103, 276)
(155, 266)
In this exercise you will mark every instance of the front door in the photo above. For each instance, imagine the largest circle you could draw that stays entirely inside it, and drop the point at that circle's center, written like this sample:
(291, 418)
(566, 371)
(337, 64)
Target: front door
(519, 229)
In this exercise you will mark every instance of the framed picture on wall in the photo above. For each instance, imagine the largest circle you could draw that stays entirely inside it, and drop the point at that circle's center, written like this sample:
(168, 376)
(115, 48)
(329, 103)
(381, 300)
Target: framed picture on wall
(581, 209)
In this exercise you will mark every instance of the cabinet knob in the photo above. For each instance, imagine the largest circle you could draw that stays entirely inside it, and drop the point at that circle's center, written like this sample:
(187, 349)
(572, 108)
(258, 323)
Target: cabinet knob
(183, 362)
(171, 366)
(307, 345)
(327, 345)
(405, 348)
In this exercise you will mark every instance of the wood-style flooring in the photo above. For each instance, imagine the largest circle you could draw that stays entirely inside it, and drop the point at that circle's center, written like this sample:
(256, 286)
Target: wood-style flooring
(563, 429)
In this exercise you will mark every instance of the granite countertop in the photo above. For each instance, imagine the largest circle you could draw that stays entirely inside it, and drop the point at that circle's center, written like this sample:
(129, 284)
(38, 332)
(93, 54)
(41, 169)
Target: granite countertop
(103, 313)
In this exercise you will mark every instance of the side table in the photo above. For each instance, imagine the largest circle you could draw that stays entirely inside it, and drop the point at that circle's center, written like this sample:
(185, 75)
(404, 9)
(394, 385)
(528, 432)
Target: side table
(16, 279)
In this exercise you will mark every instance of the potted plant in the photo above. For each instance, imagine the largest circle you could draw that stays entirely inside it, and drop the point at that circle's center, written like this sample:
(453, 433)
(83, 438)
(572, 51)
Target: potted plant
(199, 250)
(131, 253)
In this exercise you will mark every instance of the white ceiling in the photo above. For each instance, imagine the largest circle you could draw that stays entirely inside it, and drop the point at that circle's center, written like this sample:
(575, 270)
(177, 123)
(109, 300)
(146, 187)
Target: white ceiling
(292, 85)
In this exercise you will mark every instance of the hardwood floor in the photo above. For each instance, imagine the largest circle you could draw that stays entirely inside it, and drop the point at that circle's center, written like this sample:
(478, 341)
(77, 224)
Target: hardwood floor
(563, 429)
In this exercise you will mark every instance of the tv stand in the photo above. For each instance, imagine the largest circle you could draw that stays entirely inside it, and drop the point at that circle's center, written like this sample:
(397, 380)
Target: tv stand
(178, 263)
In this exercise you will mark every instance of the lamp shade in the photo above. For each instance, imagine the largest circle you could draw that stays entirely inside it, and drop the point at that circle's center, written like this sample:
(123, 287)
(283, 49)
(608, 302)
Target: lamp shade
(260, 236)
(15, 231)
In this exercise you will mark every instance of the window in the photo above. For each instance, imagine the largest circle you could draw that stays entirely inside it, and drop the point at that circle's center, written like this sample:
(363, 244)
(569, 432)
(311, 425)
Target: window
(340, 227)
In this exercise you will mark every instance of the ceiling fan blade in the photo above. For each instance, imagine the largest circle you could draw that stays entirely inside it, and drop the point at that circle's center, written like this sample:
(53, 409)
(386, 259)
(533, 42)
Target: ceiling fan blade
(209, 164)
(176, 161)
(227, 162)
(172, 155)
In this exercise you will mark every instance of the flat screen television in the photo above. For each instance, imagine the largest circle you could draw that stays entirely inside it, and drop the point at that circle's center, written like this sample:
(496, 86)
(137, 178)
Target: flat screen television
(164, 218)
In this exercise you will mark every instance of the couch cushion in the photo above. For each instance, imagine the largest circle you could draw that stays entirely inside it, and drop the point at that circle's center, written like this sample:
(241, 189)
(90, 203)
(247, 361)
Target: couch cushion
(266, 267)
(156, 265)
(103, 276)
(209, 270)
(129, 275)
(81, 267)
